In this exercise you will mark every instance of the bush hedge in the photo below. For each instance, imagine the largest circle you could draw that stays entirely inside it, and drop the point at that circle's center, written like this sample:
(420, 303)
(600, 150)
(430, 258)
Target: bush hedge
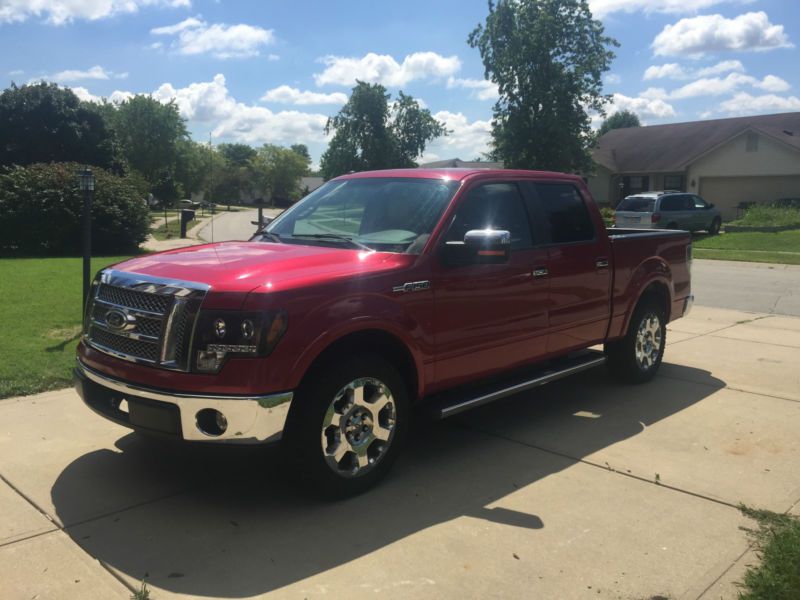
(40, 212)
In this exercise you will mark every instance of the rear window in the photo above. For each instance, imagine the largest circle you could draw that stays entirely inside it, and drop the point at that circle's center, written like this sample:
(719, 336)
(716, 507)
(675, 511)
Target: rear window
(637, 204)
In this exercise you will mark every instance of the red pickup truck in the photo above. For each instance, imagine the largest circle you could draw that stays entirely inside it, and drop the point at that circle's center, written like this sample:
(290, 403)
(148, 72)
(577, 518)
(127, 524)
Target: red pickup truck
(380, 292)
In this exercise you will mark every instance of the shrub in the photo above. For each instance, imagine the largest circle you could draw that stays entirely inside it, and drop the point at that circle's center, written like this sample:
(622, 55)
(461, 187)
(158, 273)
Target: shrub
(760, 215)
(40, 211)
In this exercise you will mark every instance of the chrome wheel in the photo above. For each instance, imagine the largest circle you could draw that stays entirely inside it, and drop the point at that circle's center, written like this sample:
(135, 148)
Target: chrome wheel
(358, 427)
(648, 341)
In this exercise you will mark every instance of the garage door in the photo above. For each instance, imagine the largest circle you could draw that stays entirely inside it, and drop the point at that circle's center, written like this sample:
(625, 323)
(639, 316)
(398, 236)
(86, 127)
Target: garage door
(727, 192)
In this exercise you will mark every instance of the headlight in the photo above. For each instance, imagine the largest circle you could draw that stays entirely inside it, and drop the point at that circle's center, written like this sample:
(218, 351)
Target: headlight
(220, 334)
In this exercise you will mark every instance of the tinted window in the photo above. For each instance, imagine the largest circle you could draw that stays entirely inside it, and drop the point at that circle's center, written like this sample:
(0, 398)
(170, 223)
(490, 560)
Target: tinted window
(637, 204)
(567, 216)
(493, 206)
(669, 203)
(699, 202)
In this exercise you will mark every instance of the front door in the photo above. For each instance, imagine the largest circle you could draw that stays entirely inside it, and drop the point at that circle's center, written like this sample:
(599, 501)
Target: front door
(490, 317)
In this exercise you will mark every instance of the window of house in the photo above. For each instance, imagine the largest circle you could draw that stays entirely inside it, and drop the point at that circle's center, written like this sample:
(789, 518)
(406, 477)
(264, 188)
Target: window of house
(566, 213)
(673, 182)
(751, 142)
(493, 206)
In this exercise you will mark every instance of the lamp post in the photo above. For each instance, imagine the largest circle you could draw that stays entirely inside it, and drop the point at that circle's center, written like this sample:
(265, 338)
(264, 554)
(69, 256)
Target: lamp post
(86, 184)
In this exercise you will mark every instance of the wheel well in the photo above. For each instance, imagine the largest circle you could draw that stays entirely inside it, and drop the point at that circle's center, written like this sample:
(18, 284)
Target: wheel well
(659, 293)
(374, 341)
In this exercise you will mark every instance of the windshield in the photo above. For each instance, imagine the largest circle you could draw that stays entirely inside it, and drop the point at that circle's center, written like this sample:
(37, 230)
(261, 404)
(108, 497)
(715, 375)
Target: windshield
(380, 213)
(637, 204)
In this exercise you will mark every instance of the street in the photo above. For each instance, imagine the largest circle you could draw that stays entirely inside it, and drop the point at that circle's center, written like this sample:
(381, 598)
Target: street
(234, 225)
(753, 287)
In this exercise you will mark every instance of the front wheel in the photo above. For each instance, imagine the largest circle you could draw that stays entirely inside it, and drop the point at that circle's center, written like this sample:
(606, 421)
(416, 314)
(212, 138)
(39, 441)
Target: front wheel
(346, 426)
(637, 357)
(715, 226)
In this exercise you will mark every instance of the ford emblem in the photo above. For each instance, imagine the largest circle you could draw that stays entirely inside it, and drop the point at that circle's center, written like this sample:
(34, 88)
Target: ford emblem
(116, 319)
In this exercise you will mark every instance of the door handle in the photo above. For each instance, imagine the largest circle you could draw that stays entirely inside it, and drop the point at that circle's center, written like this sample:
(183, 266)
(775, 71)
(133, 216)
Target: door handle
(601, 263)
(541, 272)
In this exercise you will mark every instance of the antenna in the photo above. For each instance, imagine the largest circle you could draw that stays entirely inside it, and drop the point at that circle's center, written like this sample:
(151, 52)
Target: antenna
(211, 181)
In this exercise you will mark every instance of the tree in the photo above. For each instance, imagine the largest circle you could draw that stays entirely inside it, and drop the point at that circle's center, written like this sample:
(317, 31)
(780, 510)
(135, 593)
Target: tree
(193, 166)
(237, 154)
(302, 150)
(149, 133)
(619, 120)
(547, 58)
(45, 123)
(413, 127)
(368, 135)
(278, 171)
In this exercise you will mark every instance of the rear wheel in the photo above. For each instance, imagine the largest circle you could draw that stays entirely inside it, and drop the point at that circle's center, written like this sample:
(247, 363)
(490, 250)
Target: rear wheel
(346, 426)
(637, 357)
(715, 226)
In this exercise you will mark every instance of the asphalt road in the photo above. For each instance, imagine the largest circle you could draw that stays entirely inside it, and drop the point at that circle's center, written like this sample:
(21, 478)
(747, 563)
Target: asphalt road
(233, 226)
(753, 287)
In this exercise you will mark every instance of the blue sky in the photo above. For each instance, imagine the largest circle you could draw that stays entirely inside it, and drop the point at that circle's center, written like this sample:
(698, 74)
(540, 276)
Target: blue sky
(273, 71)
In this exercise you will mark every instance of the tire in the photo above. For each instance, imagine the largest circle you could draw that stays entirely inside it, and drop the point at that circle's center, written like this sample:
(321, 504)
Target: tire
(346, 426)
(715, 226)
(637, 357)
(672, 226)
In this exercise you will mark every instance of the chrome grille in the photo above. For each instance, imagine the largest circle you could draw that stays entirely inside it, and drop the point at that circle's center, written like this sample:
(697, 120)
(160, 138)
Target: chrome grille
(142, 318)
(133, 299)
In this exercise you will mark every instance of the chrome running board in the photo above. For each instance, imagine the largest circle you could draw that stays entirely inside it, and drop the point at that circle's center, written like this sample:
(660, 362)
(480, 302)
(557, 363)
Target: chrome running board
(453, 403)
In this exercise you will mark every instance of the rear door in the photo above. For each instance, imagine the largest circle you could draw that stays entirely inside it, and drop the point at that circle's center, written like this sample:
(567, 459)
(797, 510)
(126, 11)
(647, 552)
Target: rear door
(578, 262)
(490, 317)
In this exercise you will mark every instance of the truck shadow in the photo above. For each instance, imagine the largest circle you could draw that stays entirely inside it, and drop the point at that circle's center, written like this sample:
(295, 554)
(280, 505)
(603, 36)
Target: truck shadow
(237, 529)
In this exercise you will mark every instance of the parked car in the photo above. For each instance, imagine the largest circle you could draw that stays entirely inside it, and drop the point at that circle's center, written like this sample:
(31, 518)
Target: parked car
(376, 294)
(186, 203)
(668, 210)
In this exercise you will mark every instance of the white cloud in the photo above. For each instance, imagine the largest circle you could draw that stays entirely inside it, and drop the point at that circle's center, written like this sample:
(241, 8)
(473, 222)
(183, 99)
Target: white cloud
(273, 57)
(613, 79)
(602, 8)
(651, 106)
(384, 69)
(218, 39)
(59, 12)
(96, 72)
(716, 86)
(746, 104)
(16, 72)
(118, 96)
(676, 71)
(188, 23)
(211, 103)
(285, 94)
(654, 93)
(698, 36)
(468, 140)
(482, 89)
(83, 94)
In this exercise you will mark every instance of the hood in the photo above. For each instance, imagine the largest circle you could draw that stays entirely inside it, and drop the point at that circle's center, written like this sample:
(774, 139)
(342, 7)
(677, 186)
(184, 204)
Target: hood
(247, 266)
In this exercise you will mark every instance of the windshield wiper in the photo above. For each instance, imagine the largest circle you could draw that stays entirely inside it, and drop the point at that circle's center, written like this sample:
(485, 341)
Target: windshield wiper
(333, 236)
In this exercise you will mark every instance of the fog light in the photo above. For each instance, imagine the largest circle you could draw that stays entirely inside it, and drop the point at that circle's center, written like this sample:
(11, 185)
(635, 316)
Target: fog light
(211, 422)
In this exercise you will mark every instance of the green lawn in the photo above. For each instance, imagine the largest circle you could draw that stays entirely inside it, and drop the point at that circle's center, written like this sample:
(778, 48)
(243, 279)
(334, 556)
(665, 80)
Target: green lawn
(777, 542)
(780, 247)
(40, 300)
(172, 229)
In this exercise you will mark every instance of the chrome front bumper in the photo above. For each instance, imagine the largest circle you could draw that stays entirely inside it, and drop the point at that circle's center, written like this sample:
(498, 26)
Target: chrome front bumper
(250, 419)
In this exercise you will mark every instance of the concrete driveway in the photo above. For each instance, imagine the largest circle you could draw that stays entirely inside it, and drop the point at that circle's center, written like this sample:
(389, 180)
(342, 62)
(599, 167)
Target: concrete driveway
(583, 489)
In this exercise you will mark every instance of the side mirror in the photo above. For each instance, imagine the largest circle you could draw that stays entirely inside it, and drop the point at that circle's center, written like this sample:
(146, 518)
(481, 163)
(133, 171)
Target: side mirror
(710, 206)
(480, 246)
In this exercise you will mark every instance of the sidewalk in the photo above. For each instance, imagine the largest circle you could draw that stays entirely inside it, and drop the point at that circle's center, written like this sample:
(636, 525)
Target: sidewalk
(192, 238)
(581, 489)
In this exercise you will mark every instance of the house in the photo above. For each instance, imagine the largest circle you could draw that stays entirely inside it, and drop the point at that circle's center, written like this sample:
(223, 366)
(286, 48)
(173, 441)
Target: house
(726, 161)
(457, 163)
